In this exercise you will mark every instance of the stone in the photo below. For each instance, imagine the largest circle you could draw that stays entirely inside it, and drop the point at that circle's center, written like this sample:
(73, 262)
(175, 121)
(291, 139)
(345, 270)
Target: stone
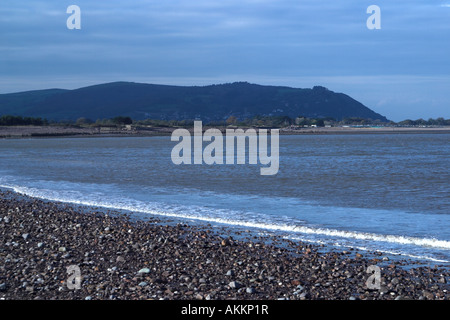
(144, 270)
(300, 287)
(250, 290)
(234, 285)
(428, 295)
(304, 295)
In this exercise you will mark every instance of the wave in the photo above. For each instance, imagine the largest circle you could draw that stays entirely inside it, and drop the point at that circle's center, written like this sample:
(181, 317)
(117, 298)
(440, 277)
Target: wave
(232, 219)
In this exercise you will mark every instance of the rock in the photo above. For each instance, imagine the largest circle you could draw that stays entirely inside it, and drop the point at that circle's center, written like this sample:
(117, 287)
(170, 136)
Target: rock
(295, 282)
(62, 249)
(250, 290)
(2, 286)
(199, 297)
(88, 298)
(120, 259)
(142, 284)
(235, 285)
(304, 295)
(25, 236)
(428, 295)
(144, 270)
(442, 280)
(230, 273)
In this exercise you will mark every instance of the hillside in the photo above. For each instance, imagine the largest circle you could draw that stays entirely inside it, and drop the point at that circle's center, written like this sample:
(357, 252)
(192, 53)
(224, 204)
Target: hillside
(166, 102)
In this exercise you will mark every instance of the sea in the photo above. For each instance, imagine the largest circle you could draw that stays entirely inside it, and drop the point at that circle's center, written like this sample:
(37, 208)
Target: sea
(386, 193)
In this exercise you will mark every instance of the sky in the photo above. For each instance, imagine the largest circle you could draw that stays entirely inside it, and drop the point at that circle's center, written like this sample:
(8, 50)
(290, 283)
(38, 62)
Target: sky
(401, 71)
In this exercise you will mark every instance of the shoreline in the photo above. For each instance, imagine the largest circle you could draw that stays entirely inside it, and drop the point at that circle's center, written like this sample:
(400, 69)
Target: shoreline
(20, 132)
(121, 258)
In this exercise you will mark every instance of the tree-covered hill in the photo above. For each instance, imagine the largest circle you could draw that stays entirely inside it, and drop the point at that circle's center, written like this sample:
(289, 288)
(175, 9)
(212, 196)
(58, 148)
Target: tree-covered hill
(208, 103)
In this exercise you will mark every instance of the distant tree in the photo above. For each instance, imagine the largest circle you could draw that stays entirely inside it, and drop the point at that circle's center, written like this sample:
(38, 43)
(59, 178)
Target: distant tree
(320, 123)
(83, 122)
(8, 120)
(231, 120)
(122, 120)
(407, 122)
(420, 122)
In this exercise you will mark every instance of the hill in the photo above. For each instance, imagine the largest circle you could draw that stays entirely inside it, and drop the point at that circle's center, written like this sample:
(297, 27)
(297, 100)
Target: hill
(167, 102)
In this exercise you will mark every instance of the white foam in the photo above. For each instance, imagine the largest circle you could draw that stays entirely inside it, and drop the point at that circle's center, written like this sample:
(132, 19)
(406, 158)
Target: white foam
(141, 207)
(388, 252)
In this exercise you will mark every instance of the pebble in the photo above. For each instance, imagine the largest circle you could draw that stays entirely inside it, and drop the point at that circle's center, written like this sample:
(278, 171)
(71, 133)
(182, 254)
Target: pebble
(234, 285)
(190, 261)
(144, 270)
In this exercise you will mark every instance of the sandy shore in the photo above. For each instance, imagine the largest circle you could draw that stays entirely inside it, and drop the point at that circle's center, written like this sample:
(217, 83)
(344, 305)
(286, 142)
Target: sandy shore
(127, 259)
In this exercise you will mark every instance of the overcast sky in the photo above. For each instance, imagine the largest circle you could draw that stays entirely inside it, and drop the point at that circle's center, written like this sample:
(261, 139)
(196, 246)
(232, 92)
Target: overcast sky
(401, 71)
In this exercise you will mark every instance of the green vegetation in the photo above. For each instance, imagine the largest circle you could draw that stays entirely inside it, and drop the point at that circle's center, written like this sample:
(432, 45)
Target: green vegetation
(422, 122)
(213, 103)
(8, 120)
(256, 121)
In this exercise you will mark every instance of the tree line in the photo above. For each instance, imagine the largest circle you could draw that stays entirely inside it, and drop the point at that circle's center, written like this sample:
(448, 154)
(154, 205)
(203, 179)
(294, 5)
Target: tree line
(258, 121)
(8, 120)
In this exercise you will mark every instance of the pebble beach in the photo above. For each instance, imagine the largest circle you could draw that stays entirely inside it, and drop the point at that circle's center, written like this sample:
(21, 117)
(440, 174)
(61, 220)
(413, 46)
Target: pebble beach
(119, 257)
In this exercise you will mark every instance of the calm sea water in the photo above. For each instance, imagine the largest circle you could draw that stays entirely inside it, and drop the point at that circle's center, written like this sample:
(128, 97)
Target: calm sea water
(387, 192)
